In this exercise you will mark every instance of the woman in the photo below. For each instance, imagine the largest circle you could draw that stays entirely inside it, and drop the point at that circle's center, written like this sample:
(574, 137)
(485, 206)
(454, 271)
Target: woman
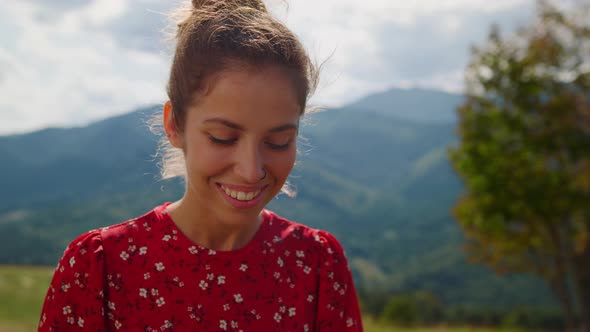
(216, 260)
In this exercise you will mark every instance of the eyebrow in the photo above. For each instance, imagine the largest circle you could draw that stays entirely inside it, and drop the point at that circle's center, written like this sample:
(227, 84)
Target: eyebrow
(236, 126)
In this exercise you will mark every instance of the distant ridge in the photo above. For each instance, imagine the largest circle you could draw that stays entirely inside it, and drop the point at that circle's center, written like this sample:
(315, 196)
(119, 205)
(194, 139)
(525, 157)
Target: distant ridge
(416, 104)
(374, 173)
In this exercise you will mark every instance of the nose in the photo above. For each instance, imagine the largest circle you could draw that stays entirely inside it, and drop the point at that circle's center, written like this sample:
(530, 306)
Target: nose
(249, 163)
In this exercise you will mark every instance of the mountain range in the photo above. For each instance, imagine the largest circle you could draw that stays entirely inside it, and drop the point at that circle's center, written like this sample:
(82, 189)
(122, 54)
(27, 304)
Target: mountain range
(375, 173)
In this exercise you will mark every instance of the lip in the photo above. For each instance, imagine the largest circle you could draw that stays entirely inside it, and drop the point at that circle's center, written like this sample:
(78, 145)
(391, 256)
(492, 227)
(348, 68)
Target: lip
(242, 204)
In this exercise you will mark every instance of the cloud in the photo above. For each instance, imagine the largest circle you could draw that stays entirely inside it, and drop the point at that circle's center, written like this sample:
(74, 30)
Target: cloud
(379, 44)
(69, 62)
(67, 70)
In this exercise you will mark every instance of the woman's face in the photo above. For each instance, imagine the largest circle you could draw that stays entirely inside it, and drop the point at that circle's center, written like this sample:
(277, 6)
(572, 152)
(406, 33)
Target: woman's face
(240, 142)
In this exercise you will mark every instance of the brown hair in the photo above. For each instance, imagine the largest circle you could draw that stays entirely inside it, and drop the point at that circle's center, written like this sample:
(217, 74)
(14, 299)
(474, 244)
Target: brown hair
(215, 35)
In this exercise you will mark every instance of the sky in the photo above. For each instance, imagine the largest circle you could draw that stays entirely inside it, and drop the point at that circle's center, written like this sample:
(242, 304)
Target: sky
(72, 62)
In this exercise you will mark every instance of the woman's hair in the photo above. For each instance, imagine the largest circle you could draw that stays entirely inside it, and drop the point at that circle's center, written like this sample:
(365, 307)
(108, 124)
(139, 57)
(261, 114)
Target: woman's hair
(217, 35)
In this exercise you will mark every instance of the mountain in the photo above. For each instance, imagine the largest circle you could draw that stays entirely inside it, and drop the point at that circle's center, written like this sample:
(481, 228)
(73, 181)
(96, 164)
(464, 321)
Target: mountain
(375, 173)
(423, 105)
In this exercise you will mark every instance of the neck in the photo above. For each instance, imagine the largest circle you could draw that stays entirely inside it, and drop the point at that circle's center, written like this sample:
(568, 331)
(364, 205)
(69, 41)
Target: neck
(206, 229)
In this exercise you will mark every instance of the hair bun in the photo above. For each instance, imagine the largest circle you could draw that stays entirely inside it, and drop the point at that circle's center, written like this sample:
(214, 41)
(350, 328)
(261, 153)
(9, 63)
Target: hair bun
(254, 4)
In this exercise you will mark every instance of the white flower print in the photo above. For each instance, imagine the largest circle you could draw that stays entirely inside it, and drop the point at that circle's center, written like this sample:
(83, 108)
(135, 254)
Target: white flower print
(310, 298)
(330, 251)
(212, 252)
(72, 261)
(220, 280)
(132, 248)
(210, 276)
(155, 292)
(277, 317)
(291, 311)
(306, 328)
(336, 285)
(234, 324)
(243, 267)
(80, 322)
(193, 250)
(277, 275)
(166, 237)
(349, 322)
(238, 298)
(143, 292)
(146, 276)
(307, 269)
(71, 320)
(280, 262)
(124, 255)
(282, 309)
(160, 266)
(143, 250)
(223, 324)
(65, 287)
(203, 284)
(160, 302)
(299, 263)
(118, 324)
(226, 307)
(300, 253)
(67, 310)
(111, 305)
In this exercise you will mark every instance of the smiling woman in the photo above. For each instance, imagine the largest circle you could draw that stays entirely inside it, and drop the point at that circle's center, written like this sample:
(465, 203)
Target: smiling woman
(216, 259)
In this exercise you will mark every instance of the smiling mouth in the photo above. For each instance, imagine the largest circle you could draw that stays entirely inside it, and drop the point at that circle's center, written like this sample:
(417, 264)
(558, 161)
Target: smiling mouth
(240, 195)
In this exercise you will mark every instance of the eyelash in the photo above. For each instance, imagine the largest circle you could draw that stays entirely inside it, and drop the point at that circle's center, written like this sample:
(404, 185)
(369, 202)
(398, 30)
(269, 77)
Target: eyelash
(228, 142)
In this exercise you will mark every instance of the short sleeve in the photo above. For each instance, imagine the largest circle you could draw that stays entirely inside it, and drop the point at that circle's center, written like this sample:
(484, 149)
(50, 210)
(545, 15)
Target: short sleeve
(338, 308)
(75, 298)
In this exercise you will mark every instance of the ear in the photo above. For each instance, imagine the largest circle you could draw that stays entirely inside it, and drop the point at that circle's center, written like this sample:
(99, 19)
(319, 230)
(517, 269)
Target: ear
(173, 134)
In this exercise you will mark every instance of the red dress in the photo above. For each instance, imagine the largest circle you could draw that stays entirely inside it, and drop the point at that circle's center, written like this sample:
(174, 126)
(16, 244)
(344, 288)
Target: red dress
(145, 275)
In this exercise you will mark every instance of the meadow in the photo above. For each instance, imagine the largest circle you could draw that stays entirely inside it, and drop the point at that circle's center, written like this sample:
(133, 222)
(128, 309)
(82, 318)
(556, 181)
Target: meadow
(23, 288)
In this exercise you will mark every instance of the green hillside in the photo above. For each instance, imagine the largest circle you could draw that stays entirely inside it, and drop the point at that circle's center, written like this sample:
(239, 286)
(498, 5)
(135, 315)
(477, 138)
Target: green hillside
(374, 175)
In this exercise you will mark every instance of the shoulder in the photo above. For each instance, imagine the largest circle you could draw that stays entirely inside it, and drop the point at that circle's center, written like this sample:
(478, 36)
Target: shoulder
(83, 248)
(134, 227)
(93, 242)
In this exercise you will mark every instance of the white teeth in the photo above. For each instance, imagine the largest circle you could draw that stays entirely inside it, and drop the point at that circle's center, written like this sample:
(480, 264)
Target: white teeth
(240, 195)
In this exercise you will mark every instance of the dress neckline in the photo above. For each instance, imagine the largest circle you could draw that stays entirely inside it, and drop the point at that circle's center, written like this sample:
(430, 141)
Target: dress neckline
(183, 241)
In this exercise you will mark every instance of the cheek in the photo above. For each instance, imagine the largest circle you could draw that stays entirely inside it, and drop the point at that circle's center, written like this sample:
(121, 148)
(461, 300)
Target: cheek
(282, 164)
(203, 160)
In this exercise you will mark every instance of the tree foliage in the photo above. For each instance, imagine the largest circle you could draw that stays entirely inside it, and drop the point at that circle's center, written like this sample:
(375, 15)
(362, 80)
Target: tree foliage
(524, 154)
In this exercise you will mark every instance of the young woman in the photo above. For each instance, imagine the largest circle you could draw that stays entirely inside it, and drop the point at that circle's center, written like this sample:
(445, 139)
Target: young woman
(216, 260)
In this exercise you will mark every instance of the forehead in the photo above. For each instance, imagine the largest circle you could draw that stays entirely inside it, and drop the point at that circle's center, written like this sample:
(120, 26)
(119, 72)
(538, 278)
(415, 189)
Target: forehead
(265, 95)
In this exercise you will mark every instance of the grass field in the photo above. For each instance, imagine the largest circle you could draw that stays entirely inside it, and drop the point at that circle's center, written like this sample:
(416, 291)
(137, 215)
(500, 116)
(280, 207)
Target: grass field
(22, 290)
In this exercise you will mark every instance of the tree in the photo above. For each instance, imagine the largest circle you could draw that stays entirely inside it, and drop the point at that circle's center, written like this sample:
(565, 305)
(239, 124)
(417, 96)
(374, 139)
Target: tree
(524, 154)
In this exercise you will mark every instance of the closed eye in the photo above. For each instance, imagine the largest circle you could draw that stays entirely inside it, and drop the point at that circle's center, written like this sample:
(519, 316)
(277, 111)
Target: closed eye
(279, 147)
(222, 141)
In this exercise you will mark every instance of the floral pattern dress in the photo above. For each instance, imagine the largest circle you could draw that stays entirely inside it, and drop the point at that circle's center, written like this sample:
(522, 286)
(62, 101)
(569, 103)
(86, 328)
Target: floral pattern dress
(145, 275)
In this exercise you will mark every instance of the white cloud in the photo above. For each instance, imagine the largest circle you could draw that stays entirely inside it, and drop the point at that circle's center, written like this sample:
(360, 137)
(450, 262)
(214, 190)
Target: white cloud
(68, 62)
(66, 72)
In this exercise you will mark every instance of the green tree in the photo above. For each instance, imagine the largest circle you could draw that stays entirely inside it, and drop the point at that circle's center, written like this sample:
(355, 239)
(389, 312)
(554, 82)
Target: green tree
(524, 154)
(420, 308)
